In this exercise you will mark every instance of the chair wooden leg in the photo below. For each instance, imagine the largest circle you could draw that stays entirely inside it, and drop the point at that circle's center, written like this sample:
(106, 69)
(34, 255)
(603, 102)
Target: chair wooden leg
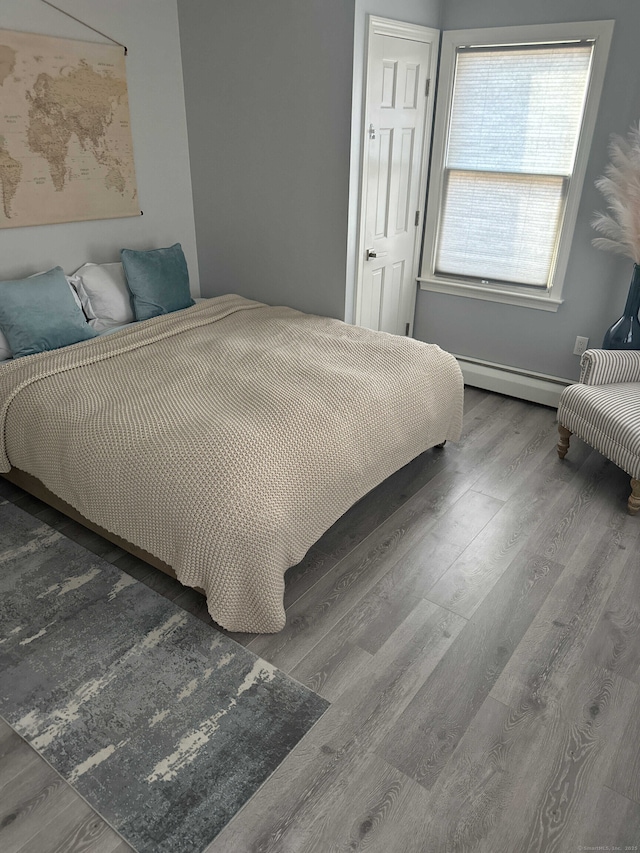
(634, 498)
(563, 443)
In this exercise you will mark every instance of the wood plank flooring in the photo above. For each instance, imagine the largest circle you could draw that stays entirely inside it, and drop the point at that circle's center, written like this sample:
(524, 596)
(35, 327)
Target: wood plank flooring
(475, 623)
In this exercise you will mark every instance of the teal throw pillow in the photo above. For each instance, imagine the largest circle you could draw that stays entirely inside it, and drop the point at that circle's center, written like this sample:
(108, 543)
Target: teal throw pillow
(40, 313)
(158, 281)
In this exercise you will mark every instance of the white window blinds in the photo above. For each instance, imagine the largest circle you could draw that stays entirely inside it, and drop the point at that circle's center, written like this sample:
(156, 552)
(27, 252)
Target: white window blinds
(513, 133)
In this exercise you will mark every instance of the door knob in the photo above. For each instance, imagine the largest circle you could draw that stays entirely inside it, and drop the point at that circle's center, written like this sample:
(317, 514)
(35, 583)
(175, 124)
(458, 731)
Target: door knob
(371, 253)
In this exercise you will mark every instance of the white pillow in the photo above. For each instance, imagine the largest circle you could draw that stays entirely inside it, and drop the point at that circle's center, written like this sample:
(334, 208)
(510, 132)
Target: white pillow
(104, 295)
(5, 349)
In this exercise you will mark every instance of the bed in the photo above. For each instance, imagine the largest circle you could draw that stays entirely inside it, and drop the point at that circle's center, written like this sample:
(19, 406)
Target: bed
(223, 439)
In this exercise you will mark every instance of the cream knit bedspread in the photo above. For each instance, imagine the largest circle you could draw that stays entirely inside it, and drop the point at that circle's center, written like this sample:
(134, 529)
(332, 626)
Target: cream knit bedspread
(226, 438)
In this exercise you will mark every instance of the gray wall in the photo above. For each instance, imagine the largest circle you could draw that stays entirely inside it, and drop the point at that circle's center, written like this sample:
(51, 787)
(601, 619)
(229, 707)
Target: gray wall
(596, 282)
(268, 96)
(426, 13)
(149, 28)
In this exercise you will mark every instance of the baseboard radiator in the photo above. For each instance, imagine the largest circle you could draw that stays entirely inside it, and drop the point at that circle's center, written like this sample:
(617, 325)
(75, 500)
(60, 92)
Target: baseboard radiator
(537, 387)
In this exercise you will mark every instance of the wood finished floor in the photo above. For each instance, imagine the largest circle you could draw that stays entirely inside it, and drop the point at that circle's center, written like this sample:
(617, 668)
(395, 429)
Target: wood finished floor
(475, 623)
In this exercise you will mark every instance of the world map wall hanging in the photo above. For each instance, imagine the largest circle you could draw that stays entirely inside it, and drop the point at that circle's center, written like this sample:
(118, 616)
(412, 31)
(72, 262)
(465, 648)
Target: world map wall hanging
(66, 152)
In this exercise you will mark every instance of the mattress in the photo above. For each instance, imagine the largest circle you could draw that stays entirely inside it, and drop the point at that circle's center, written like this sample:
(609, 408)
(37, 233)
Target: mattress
(224, 439)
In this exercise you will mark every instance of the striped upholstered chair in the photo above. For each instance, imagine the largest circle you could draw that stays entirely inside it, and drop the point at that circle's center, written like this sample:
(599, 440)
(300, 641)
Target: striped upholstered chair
(603, 409)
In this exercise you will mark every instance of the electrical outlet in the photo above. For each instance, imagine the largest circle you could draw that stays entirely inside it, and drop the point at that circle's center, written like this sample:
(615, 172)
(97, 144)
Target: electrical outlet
(581, 345)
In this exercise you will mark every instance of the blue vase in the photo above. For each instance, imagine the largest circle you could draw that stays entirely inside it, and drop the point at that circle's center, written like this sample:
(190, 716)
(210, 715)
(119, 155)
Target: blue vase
(625, 332)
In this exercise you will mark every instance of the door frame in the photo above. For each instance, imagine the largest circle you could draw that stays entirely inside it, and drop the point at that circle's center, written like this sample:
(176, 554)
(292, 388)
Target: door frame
(411, 32)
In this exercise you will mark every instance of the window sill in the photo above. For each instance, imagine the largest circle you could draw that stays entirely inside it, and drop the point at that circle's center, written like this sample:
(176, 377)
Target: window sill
(491, 294)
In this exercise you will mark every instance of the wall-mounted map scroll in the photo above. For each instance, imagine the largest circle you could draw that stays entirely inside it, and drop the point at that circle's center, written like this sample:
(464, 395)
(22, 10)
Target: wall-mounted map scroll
(65, 140)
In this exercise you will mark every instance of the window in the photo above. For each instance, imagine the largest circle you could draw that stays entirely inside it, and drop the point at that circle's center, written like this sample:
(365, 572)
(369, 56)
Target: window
(515, 115)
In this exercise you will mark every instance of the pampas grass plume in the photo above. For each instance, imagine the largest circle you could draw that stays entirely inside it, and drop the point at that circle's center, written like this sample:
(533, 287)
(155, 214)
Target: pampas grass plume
(620, 186)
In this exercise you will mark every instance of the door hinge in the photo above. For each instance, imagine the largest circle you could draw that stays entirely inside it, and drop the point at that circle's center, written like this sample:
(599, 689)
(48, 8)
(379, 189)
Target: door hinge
(427, 88)
(406, 330)
(417, 222)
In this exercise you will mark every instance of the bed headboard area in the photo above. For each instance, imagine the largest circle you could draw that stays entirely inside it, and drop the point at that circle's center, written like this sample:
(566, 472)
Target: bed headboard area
(49, 310)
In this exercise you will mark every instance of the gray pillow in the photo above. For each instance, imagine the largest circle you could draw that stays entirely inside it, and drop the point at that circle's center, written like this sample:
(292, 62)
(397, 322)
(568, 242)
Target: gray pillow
(158, 281)
(40, 313)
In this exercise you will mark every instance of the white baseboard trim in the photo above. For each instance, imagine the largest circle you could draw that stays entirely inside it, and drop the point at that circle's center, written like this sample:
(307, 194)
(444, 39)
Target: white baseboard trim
(537, 387)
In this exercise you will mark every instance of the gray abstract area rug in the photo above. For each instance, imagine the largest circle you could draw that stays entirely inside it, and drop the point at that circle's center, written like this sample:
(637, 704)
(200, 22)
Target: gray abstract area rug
(164, 725)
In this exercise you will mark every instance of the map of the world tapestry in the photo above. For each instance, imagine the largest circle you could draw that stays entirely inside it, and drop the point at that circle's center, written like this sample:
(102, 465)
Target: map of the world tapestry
(65, 139)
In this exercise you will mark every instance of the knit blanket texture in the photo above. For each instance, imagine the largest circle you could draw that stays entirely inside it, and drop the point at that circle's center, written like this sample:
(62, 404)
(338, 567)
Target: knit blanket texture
(224, 439)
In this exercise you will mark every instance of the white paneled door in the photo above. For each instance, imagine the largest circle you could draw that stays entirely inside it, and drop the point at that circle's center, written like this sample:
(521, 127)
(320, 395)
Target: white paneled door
(398, 112)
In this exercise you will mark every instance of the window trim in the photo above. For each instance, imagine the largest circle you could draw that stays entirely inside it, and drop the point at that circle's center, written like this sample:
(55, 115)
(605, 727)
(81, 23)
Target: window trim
(513, 294)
